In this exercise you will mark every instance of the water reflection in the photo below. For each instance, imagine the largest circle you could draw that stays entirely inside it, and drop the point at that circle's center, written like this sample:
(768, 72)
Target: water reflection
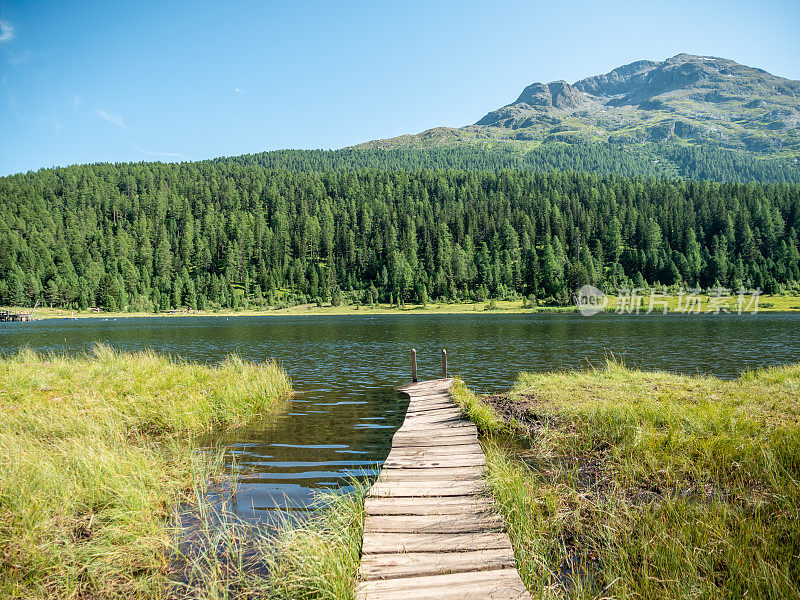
(345, 369)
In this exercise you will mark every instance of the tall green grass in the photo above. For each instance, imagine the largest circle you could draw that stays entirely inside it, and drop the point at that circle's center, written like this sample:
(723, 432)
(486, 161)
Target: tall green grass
(484, 417)
(95, 450)
(314, 559)
(654, 485)
(320, 560)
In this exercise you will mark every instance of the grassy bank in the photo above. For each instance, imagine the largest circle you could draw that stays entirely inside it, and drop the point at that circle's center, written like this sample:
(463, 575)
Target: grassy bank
(93, 452)
(767, 303)
(640, 485)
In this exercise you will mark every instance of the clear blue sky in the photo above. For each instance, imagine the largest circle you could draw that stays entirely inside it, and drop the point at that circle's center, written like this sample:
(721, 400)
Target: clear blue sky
(114, 81)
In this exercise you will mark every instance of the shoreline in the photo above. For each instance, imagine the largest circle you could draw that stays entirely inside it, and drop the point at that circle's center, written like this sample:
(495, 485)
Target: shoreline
(778, 303)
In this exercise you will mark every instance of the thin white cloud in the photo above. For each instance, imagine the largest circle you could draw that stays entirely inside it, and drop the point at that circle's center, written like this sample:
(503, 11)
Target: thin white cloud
(112, 118)
(6, 31)
(76, 101)
(238, 91)
(149, 153)
(19, 59)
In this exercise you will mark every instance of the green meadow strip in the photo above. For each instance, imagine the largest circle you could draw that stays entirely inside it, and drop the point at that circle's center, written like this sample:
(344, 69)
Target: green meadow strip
(643, 485)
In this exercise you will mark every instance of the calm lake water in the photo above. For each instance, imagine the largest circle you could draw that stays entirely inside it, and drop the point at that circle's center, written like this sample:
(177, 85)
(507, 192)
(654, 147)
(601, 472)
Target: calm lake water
(345, 369)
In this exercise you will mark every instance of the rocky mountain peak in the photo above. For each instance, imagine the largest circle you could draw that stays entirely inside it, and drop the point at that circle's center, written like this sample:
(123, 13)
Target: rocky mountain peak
(683, 99)
(557, 94)
(685, 96)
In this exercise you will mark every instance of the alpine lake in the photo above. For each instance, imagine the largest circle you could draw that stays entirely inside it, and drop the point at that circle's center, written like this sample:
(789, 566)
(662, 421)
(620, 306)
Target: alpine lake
(341, 420)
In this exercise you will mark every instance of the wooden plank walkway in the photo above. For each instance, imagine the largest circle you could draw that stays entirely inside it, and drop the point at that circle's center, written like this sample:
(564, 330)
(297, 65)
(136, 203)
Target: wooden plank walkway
(431, 528)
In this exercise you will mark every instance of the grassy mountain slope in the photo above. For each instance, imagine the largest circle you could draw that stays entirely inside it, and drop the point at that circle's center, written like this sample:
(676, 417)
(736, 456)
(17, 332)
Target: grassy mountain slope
(657, 111)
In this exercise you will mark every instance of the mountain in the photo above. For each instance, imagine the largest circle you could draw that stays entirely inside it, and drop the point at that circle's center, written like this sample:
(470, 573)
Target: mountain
(685, 100)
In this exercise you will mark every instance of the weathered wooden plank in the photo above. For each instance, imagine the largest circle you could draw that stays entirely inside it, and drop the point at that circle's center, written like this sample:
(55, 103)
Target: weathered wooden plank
(436, 451)
(382, 543)
(432, 473)
(467, 437)
(427, 489)
(442, 420)
(429, 442)
(417, 412)
(427, 387)
(499, 584)
(437, 422)
(438, 404)
(438, 411)
(432, 412)
(433, 453)
(420, 477)
(459, 447)
(470, 434)
(422, 444)
(434, 432)
(416, 564)
(471, 460)
(433, 428)
(429, 396)
(441, 399)
(444, 505)
(443, 424)
(434, 397)
(460, 523)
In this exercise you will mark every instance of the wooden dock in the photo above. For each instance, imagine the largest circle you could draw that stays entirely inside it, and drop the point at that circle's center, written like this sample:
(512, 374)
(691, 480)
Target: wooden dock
(432, 530)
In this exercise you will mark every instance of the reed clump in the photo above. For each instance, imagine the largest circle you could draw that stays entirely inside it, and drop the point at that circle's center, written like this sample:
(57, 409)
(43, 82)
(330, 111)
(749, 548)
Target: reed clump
(94, 450)
(316, 558)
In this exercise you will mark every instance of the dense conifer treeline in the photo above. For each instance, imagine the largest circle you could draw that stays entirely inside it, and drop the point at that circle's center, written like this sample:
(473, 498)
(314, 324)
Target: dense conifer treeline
(157, 236)
(635, 160)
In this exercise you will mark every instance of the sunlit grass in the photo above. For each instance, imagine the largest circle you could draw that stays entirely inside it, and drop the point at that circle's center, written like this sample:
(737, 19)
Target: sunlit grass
(787, 302)
(315, 559)
(654, 485)
(484, 417)
(93, 452)
(320, 560)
